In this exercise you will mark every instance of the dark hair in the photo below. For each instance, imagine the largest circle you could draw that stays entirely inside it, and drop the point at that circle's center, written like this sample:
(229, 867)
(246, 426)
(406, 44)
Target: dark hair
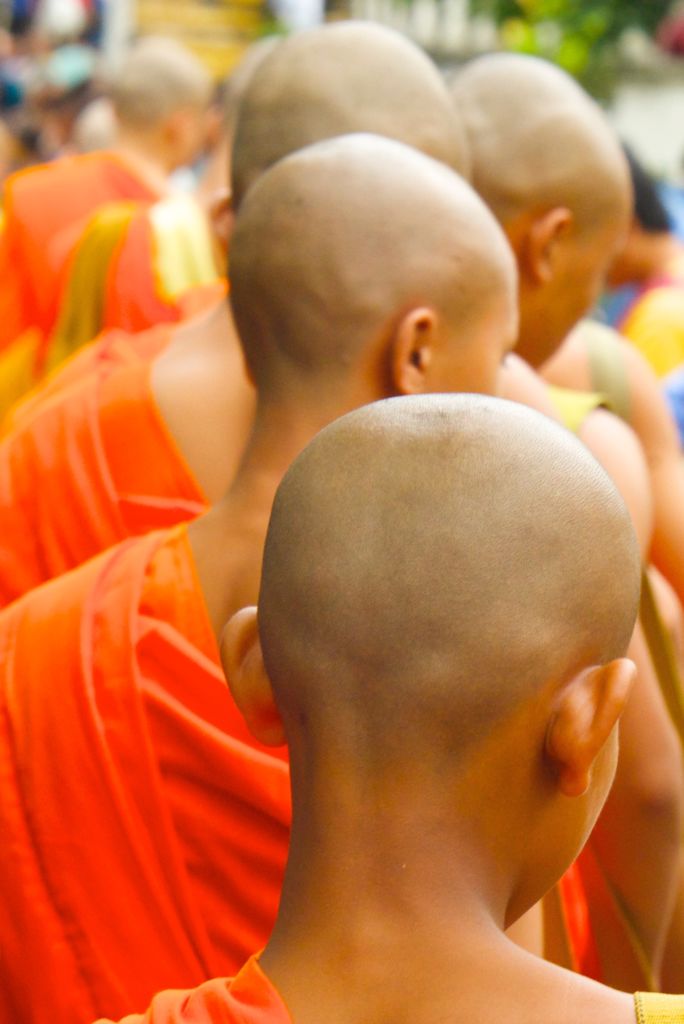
(649, 208)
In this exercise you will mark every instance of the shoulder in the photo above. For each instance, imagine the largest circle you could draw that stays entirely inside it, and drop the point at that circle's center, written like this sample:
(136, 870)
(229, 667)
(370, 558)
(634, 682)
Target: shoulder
(249, 998)
(617, 448)
(520, 383)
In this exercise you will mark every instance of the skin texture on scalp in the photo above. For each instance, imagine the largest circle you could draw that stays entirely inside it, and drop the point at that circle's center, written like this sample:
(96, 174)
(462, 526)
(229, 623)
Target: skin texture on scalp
(351, 77)
(536, 139)
(382, 574)
(311, 291)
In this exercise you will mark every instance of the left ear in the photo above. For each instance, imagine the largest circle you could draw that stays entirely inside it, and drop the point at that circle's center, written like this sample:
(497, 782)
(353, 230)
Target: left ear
(587, 713)
(245, 671)
(221, 217)
(412, 350)
(544, 234)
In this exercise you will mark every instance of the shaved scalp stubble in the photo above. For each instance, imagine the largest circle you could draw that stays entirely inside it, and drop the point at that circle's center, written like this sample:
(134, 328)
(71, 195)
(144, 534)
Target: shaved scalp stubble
(537, 140)
(431, 563)
(311, 288)
(342, 78)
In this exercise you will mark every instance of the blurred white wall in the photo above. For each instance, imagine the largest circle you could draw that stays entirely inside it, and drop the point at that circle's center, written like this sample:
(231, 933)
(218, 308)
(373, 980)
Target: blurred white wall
(650, 117)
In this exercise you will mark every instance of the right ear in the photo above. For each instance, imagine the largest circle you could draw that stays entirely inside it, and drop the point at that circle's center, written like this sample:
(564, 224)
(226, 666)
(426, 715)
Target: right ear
(243, 664)
(587, 713)
(221, 217)
(412, 350)
(536, 250)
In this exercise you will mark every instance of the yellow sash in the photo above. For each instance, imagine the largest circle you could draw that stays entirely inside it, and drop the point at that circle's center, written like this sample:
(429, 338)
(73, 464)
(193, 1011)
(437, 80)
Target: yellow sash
(656, 1008)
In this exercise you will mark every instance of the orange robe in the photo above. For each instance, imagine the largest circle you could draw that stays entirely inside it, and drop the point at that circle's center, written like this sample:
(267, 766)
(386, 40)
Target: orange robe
(144, 832)
(46, 209)
(598, 928)
(249, 998)
(69, 485)
(137, 265)
(109, 350)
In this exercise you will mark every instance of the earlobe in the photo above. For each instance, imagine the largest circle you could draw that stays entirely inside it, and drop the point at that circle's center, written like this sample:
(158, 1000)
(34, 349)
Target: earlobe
(412, 350)
(248, 680)
(221, 216)
(543, 236)
(587, 713)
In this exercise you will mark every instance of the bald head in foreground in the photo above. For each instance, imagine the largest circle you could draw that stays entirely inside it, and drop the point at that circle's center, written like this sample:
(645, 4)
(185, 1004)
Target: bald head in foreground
(451, 733)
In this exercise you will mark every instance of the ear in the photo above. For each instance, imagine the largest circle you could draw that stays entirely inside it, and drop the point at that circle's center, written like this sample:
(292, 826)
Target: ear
(221, 216)
(412, 350)
(249, 684)
(544, 233)
(589, 709)
(174, 125)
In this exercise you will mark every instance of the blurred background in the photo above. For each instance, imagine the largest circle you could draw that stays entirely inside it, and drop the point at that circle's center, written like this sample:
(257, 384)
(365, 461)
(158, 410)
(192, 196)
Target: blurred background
(55, 56)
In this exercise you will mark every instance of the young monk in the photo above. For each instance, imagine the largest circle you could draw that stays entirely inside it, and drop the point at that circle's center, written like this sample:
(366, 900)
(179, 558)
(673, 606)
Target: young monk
(124, 297)
(126, 770)
(652, 262)
(558, 183)
(138, 265)
(149, 445)
(452, 729)
(160, 95)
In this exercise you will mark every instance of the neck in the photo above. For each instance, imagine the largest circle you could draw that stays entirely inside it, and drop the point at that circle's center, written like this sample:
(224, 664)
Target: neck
(386, 918)
(146, 157)
(228, 541)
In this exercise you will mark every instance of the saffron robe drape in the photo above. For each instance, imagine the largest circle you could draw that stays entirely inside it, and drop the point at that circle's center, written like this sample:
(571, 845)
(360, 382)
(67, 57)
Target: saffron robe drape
(91, 466)
(144, 832)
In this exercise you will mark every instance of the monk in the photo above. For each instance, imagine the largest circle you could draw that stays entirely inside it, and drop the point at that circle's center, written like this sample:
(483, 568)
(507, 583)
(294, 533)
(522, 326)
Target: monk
(128, 296)
(149, 791)
(652, 262)
(452, 729)
(73, 478)
(558, 183)
(159, 95)
(138, 265)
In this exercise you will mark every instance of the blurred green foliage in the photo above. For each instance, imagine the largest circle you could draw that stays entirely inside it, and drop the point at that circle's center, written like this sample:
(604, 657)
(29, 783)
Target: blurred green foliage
(580, 35)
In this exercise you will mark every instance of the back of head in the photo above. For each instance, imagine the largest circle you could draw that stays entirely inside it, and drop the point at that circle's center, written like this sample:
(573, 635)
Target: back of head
(432, 563)
(316, 289)
(649, 209)
(95, 127)
(341, 78)
(538, 140)
(158, 77)
(237, 82)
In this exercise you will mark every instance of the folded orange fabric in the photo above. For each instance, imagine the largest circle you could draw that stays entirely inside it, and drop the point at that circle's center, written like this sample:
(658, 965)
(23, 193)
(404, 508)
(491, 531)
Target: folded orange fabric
(144, 831)
(69, 487)
(249, 998)
(46, 209)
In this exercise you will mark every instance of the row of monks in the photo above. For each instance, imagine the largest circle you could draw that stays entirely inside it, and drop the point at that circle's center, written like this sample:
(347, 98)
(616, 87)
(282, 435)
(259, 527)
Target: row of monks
(322, 601)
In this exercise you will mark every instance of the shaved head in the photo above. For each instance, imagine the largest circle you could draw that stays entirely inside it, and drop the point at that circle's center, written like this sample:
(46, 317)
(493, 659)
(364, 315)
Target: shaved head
(237, 82)
(316, 290)
(347, 77)
(431, 563)
(158, 77)
(537, 139)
